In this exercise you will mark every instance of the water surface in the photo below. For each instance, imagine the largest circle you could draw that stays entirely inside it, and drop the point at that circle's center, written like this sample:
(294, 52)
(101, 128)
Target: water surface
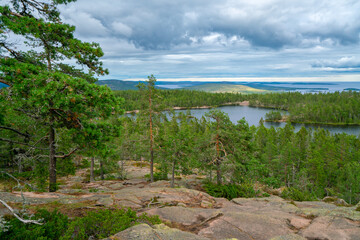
(253, 115)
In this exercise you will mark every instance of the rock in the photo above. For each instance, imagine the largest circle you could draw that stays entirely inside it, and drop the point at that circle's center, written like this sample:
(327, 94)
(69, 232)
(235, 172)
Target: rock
(288, 237)
(219, 229)
(206, 204)
(128, 204)
(337, 201)
(144, 231)
(183, 216)
(161, 183)
(327, 209)
(116, 186)
(299, 222)
(332, 228)
(256, 225)
(105, 202)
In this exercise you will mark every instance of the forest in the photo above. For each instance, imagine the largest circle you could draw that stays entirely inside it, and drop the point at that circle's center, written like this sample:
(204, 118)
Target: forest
(54, 121)
(338, 108)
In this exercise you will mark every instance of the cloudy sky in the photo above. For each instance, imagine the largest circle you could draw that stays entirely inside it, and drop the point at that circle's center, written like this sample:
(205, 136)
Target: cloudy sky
(222, 39)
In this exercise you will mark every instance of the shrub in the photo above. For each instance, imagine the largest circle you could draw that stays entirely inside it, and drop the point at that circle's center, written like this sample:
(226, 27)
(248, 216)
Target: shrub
(97, 225)
(103, 223)
(230, 191)
(55, 224)
(158, 176)
(272, 181)
(297, 194)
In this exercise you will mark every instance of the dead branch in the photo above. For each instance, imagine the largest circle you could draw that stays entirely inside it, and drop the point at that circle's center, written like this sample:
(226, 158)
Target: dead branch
(66, 155)
(26, 221)
(18, 180)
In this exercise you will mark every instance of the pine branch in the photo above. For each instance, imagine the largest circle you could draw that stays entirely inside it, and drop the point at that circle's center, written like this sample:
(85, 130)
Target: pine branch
(14, 130)
(21, 143)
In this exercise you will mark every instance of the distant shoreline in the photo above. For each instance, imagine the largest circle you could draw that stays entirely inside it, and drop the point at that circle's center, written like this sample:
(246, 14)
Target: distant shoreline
(243, 103)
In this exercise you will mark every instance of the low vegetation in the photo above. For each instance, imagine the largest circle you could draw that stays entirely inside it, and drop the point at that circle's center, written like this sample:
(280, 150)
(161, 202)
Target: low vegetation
(95, 225)
(230, 191)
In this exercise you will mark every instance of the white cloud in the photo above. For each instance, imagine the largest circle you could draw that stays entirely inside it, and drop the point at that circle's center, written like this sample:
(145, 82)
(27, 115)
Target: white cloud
(122, 29)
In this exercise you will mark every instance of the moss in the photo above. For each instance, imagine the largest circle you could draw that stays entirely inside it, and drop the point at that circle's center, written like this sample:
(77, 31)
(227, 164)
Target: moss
(311, 216)
(77, 186)
(141, 164)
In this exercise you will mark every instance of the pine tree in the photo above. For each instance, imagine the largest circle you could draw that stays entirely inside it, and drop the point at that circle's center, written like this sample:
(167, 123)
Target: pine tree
(41, 86)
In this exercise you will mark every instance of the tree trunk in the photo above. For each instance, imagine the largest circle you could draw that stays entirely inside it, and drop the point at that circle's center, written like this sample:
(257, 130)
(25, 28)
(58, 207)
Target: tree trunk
(218, 172)
(52, 163)
(101, 170)
(173, 173)
(20, 165)
(286, 175)
(122, 170)
(92, 178)
(151, 141)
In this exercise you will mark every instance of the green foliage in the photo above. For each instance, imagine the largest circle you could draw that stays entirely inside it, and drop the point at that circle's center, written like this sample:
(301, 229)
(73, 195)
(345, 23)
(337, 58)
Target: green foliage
(272, 181)
(339, 108)
(273, 116)
(158, 176)
(181, 98)
(55, 224)
(98, 224)
(297, 194)
(48, 101)
(104, 223)
(230, 191)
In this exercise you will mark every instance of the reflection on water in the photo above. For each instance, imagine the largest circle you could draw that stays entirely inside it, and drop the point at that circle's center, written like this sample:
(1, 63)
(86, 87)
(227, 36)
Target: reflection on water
(253, 115)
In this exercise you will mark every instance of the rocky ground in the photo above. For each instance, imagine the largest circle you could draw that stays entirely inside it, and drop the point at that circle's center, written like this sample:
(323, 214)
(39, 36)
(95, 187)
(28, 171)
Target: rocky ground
(191, 214)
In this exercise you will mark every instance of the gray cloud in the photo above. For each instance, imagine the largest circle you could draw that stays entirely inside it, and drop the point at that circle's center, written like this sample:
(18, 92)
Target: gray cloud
(210, 37)
(342, 63)
(161, 24)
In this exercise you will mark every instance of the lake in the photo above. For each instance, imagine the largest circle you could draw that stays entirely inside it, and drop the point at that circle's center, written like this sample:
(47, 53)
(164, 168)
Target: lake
(253, 115)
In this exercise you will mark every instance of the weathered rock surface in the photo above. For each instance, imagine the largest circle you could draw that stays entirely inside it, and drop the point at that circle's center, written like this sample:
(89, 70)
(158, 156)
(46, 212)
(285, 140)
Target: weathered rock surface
(157, 232)
(192, 214)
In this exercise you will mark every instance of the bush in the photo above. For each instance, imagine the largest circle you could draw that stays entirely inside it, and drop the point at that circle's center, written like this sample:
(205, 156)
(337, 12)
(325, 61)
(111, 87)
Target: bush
(98, 224)
(55, 224)
(297, 194)
(230, 191)
(158, 176)
(272, 182)
(104, 223)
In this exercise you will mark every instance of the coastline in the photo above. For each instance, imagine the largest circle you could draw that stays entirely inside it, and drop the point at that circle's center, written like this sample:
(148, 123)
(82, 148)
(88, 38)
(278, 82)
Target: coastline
(243, 103)
(285, 118)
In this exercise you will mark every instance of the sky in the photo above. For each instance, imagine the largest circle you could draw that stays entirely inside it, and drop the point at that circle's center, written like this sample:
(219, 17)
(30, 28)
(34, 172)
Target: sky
(227, 39)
